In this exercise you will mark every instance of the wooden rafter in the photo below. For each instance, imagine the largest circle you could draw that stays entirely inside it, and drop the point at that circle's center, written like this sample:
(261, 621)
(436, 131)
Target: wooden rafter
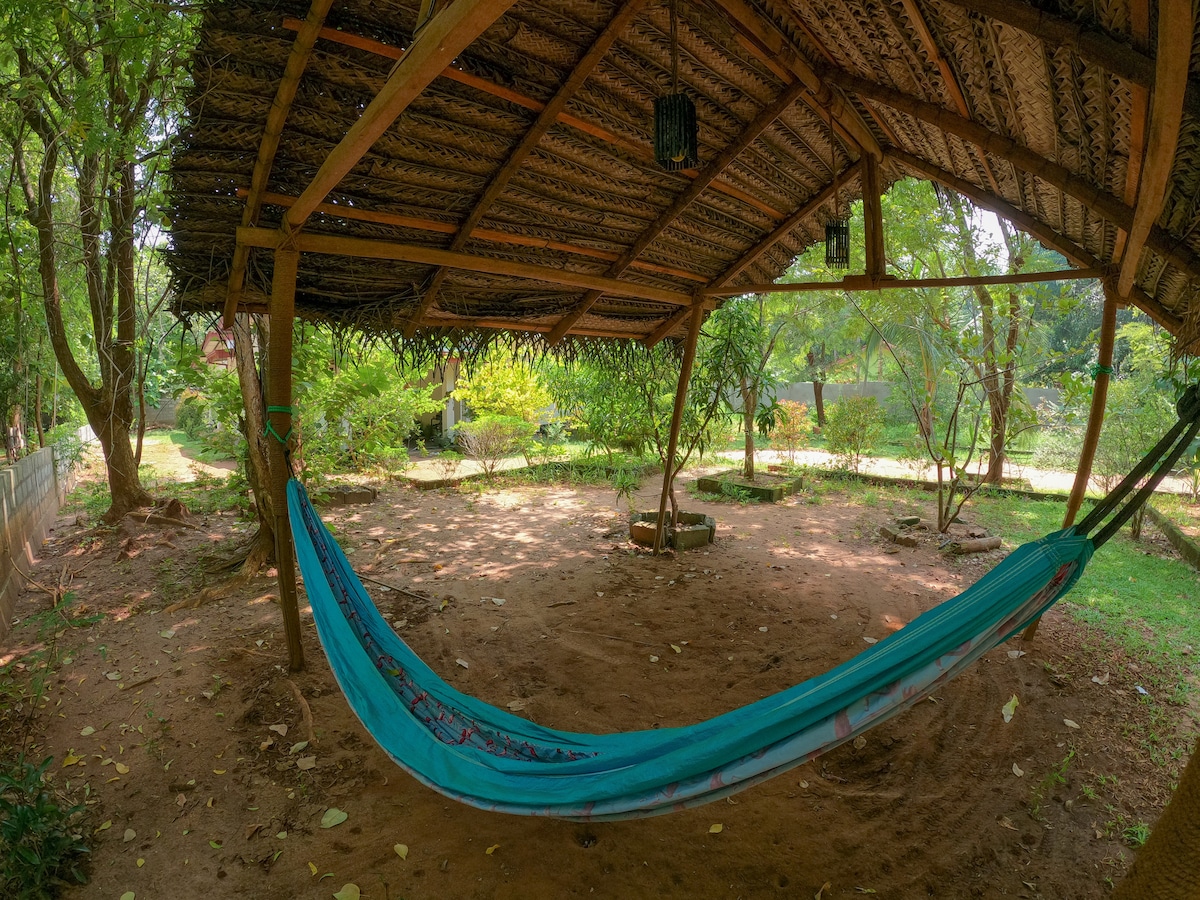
(545, 120)
(1139, 112)
(854, 283)
(364, 248)
(785, 227)
(667, 325)
(1093, 46)
(1176, 26)
(483, 234)
(445, 36)
(449, 321)
(776, 49)
(1039, 230)
(297, 62)
(765, 118)
(640, 151)
(1057, 176)
(934, 52)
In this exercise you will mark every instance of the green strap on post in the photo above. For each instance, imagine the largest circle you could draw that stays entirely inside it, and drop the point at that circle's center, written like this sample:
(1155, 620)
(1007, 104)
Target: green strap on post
(1099, 369)
(270, 429)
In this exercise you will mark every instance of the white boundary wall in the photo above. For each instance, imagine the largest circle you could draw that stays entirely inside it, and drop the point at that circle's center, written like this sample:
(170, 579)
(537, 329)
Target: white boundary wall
(30, 494)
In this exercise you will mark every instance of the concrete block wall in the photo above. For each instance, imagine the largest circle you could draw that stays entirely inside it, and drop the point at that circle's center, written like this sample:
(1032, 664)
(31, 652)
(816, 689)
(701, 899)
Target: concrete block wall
(31, 493)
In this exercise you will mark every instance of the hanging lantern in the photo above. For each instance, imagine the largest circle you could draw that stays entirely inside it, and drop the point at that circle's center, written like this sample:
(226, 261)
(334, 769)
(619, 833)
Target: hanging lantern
(675, 132)
(837, 244)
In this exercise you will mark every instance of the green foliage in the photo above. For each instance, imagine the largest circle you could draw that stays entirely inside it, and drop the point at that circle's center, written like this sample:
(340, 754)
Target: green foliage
(69, 448)
(600, 400)
(359, 417)
(41, 845)
(1134, 420)
(490, 439)
(853, 426)
(793, 428)
(499, 386)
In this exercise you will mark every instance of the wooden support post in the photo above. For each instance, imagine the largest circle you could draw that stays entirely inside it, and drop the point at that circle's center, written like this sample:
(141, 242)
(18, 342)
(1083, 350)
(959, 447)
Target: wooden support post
(279, 417)
(873, 220)
(685, 375)
(1091, 438)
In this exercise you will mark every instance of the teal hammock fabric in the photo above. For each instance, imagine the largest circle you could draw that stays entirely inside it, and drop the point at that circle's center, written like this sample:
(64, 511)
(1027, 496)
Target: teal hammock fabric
(489, 758)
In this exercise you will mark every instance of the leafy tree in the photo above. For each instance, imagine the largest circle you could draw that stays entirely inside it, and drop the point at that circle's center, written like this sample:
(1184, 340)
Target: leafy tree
(853, 427)
(600, 398)
(740, 335)
(502, 386)
(93, 88)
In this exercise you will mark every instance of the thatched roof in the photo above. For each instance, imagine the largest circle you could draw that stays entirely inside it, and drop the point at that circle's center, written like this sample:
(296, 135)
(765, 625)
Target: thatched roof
(517, 188)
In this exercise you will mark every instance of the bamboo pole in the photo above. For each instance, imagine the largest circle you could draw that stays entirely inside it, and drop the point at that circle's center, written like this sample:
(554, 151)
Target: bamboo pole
(685, 375)
(1091, 438)
(279, 417)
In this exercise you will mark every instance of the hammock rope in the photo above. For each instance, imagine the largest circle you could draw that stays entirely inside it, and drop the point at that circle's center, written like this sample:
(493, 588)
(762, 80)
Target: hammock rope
(489, 758)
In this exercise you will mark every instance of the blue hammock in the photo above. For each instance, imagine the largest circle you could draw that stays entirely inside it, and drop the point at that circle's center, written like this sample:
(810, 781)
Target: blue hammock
(486, 757)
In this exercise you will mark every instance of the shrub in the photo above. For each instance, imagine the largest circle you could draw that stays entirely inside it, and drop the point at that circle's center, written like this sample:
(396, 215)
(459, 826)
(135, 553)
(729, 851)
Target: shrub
(489, 439)
(792, 427)
(41, 847)
(852, 427)
(190, 417)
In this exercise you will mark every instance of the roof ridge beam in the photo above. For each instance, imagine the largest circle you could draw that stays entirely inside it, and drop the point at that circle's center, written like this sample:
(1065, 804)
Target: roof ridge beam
(1176, 26)
(545, 120)
(293, 71)
(1034, 227)
(1092, 45)
(1058, 176)
(436, 45)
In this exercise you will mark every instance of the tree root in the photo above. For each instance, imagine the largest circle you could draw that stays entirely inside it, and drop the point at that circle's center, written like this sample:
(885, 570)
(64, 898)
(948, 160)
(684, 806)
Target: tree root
(305, 711)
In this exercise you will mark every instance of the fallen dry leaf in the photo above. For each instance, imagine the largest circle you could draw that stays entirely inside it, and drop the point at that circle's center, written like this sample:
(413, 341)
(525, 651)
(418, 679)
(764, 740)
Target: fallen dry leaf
(1070, 724)
(819, 895)
(716, 829)
(349, 891)
(280, 730)
(1018, 771)
(1010, 708)
(492, 849)
(401, 850)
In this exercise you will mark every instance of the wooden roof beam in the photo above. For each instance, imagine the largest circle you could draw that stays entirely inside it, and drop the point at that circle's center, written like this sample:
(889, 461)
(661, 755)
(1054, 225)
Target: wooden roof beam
(760, 123)
(641, 151)
(445, 36)
(435, 321)
(1139, 113)
(399, 220)
(856, 283)
(1176, 27)
(778, 50)
(545, 120)
(1034, 227)
(814, 203)
(925, 36)
(1092, 45)
(293, 71)
(1057, 176)
(364, 248)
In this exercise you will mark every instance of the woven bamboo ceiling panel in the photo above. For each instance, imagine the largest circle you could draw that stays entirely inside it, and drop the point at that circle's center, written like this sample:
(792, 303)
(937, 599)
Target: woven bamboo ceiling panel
(517, 188)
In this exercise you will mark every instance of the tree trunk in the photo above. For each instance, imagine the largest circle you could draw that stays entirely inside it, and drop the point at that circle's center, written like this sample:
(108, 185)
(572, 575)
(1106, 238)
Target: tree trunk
(819, 402)
(108, 407)
(749, 405)
(37, 411)
(1168, 866)
(258, 472)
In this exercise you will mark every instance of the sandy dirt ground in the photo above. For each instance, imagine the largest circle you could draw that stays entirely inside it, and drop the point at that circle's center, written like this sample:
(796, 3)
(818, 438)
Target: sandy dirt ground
(208, 768)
